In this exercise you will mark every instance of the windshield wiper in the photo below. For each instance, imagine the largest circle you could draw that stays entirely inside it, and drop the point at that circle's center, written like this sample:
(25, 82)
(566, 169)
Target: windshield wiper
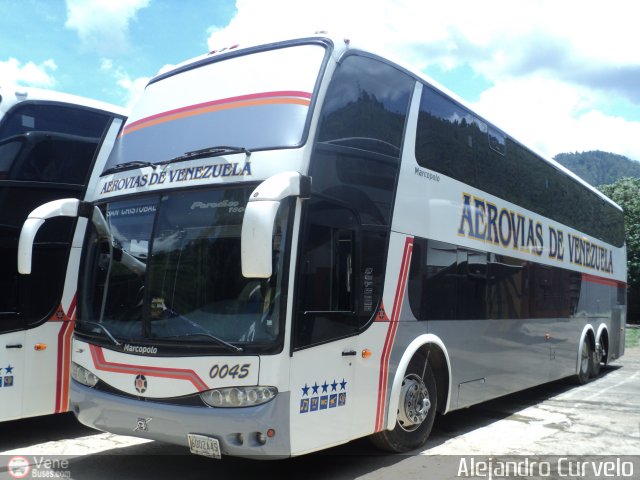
(218, 340)
(104, 329)
(206, 152)
(128, 166)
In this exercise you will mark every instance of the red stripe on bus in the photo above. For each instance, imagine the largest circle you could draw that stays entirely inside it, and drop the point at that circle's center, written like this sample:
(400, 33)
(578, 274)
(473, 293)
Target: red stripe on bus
(384, 367)
(391, 333)
(63, 354)
(302, 97)
(72, 307)
(603, 281)
(64, 404)
(63, 365)
(102, 364)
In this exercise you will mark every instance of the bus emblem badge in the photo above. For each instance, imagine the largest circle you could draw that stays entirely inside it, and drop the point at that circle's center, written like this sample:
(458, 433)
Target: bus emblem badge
(140, 383)
(142, 424)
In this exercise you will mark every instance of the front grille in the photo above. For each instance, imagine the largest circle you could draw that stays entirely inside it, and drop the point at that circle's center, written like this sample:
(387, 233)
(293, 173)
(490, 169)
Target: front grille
(193, 400)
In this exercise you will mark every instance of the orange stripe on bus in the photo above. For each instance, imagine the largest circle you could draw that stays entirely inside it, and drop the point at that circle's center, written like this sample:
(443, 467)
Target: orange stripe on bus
(214, 108)
(603, 281)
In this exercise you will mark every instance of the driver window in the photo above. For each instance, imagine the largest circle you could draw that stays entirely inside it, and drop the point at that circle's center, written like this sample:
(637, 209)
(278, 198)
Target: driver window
(354, 167)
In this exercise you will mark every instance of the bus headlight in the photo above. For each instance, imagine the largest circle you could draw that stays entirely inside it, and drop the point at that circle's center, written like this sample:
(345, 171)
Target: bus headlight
(238, 396)
(82, 375)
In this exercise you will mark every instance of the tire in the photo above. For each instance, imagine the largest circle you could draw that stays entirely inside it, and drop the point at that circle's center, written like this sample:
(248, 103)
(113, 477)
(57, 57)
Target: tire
(586, 362)
(416, 410)
(596, 359)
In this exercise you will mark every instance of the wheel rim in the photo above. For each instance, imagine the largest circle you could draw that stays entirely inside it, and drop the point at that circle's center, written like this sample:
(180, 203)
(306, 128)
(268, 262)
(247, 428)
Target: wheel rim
(414, 403)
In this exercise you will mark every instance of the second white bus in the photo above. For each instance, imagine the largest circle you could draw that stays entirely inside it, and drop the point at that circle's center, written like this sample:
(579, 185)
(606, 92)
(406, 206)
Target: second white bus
(52, 146)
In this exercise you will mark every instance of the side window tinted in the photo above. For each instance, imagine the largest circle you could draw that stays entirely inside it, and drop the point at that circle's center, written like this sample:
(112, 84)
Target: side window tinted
(433, 286)
(452, 141)
(447, 282)
(445, 137)
(326, 288)
(357, 153)
(507, 288)
(363, 180)
(354, 169)
(366, 106)
(497, 170)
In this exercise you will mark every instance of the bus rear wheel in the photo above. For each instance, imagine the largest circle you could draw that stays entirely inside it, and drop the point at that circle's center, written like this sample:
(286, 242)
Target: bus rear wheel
(586, 361)
(416, 410)
(597, 357)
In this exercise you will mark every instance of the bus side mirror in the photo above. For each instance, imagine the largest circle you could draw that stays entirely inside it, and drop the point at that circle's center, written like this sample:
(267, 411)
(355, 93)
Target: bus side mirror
(256, 248)
(66, 207)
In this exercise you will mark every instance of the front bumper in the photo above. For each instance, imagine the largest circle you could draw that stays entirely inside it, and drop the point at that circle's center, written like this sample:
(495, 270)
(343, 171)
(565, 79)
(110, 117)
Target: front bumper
(236, 429)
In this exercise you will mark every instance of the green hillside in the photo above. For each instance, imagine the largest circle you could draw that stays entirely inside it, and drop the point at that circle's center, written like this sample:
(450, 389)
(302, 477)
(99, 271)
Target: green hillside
(599, 168)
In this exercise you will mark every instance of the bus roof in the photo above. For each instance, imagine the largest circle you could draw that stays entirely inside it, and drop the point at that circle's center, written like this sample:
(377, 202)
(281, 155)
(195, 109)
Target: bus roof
(11, 95)
(344, 44)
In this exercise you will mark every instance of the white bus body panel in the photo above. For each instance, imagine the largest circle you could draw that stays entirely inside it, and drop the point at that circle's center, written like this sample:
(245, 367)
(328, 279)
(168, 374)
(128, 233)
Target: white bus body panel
(12, 374)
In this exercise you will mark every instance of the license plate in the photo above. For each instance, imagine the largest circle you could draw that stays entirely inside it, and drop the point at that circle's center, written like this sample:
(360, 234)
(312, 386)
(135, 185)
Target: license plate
(207, 446)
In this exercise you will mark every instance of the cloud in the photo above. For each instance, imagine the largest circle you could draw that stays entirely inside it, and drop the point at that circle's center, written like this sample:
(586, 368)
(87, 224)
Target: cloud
(30, 74)
(552, 116)
(103, 25)
(131, 89)
(583, 54)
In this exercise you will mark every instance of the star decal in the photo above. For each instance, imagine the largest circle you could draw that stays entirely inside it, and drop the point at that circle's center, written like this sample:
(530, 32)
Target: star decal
(343, 384)
(9, 369)
(325, 386)
(334, 385)
(305, 390)
(315, 387)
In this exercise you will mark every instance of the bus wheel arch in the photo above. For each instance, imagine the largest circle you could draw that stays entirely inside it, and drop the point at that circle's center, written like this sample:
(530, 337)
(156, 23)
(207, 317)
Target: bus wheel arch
(420, 389)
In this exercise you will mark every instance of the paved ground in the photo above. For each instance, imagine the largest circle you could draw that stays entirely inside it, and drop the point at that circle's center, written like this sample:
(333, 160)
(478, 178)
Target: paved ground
(597, 420)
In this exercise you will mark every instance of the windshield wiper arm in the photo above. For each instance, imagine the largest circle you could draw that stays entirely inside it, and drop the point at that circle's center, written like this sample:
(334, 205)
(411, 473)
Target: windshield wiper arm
(104, 329)
(218, 340)
(206, 152)
(128, 166)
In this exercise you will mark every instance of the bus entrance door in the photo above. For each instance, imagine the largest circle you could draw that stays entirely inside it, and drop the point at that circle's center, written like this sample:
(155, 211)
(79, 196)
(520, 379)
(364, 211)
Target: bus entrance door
(12, 374)
(322, 378)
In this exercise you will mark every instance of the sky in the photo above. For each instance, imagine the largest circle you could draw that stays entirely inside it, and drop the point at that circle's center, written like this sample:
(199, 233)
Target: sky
(558, 75)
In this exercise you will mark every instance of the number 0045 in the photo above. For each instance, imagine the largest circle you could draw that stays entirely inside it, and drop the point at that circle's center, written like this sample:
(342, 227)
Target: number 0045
(234, 371)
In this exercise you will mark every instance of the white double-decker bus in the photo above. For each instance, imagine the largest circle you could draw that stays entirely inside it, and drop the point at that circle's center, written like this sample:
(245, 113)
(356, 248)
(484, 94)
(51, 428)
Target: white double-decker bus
(52, 146)
(302, 243)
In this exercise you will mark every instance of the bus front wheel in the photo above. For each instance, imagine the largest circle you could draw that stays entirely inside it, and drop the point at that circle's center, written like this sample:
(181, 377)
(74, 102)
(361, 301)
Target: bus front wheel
(416, 410)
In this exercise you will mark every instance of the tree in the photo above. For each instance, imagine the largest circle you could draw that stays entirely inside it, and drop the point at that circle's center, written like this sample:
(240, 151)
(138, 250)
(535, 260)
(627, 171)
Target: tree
(626, 193)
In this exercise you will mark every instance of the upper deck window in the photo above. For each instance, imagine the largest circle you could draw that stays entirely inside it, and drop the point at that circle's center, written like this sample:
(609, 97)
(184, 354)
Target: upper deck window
(451, 140)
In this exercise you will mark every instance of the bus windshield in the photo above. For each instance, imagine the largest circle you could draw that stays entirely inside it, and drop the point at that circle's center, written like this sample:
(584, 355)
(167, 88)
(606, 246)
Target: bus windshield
(49, 143)
(170, 274)
(256, 101)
